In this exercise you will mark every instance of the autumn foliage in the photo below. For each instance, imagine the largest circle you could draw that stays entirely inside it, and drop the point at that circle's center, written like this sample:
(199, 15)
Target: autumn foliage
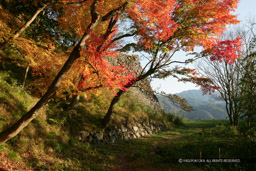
(161, 27)
(6, 164)
(229, 50)
(174, 24)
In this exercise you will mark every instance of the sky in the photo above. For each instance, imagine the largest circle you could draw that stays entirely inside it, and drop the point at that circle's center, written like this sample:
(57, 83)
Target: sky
(246, 10)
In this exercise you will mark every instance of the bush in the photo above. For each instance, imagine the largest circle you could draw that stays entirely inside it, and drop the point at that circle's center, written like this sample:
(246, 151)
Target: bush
(178, 121)
(249, 131)
(171, 117)
(222, 130)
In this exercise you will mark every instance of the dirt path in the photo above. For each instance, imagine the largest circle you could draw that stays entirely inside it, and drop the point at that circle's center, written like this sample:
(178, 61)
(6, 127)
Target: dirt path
(142, 150)
(158, 151)
(198, 140)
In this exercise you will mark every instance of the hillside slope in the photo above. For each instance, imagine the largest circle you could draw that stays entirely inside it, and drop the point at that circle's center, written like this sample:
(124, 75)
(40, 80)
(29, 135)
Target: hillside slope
(52, 140)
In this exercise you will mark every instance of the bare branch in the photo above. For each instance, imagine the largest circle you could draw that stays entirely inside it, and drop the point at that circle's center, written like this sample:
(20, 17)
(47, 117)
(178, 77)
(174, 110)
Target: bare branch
(123, 36)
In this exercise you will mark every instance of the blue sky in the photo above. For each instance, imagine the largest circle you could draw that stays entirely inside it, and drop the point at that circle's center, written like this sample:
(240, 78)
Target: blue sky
(246, 10)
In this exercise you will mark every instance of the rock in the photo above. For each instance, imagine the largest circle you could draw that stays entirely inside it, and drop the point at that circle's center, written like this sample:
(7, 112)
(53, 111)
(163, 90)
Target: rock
(126, 137)
(124, 129)
(135, 128)
(145, 133)
(149, 131)
(99, 136)
(83, 135)
(113, 139)
(137, 134)
(120, 132)
(89, 138)
(129, 125)
(147, 123)
(112, 132)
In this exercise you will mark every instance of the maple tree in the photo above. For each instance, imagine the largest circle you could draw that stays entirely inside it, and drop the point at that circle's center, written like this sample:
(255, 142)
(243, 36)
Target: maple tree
(162, 28)
(95, 20)
(42, 66)
(183, 25)
(40, 53)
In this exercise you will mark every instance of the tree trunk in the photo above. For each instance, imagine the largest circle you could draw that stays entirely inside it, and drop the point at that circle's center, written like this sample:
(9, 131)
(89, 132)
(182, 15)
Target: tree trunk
(25, 77)
(30, 115)
(107, 117)
(236, 119)
(75, 101)
(249, 122)
(229, 112)
(27, 24)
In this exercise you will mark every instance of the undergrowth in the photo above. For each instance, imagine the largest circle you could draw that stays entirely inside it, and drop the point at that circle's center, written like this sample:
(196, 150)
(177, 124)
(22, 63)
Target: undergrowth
(50, 141)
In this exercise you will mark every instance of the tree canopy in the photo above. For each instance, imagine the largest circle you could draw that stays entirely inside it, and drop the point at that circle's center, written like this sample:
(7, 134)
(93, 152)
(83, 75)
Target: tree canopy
(89, 30)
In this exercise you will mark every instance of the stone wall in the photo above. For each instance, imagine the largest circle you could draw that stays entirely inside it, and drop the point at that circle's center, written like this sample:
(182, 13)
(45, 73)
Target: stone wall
(129, 130)
(142, 89)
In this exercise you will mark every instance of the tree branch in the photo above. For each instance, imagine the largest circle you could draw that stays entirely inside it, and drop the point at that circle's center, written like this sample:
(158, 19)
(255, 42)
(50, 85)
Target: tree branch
(90, 88)
(94, 22)
(26, 25)
(123, 36)
(70, 3)
(114, 12)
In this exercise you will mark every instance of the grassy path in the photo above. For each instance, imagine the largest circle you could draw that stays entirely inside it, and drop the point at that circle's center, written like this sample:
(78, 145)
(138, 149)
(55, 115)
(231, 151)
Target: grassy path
(163, 150)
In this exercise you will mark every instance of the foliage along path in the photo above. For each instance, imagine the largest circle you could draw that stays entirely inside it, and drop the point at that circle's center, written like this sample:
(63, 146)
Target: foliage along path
(163, 150)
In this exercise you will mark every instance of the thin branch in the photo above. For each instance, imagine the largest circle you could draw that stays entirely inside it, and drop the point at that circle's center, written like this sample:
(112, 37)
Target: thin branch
(123, 36)
(154, 59)
(142, 71)
(94, 14)
(90, 88)
(26, 25)
(70, 3)
(95, 20)
(114, 12)
(111, 24)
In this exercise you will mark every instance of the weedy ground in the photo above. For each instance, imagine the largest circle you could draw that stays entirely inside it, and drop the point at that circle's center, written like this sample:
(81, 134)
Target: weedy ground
(49, 142)
(162, 151)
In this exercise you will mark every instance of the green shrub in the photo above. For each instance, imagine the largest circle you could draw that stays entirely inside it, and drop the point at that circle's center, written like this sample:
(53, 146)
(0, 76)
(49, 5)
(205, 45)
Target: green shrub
(171, 118)
(222, 130)
(178, 121)
(233, 130)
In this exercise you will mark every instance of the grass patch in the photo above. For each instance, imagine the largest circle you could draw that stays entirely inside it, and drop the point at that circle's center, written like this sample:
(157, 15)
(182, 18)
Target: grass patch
(163, 150)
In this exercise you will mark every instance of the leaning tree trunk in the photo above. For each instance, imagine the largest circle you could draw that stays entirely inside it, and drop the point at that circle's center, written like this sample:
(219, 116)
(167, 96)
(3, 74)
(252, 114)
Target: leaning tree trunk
(30, 115)
(75, 101)
(27, 24)
(107, 117)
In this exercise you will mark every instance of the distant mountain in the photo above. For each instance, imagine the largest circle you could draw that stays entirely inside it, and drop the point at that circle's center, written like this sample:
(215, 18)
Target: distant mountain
(204, 106)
